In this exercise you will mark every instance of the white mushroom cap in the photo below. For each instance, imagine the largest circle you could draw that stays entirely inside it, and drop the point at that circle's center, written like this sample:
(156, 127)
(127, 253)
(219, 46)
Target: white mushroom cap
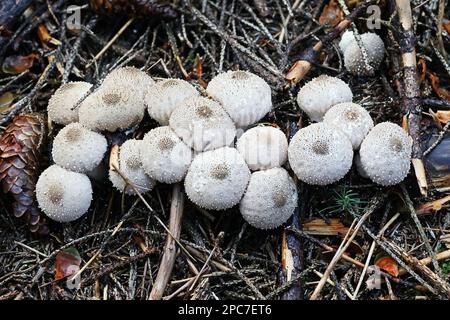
(111, 108)
(346, 39)
(64, 99)
(263, 147)
(318, 95)
(135, 80)
(63, 195)
(246, 97)
(358, 165)
(78, 149)
(202, 124)
(320, 154)
(162, 98)
(270, 199)
(131, 166)
(352, 119)
(385, 154)
(164, 156)
(353, 57)
(217, 179)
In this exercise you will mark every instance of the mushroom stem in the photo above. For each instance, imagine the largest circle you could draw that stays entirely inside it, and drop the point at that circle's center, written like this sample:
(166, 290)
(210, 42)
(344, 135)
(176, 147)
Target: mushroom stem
(411, 102)
(170, 250)
(302, 66)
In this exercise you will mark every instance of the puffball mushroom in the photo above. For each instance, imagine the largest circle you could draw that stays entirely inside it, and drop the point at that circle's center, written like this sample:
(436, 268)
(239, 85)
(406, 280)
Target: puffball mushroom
(263, 147)
(64, 99)
(78, 149)
(353, 56)
(202, 124)
(111, 108)
(130, 165)
(320, 154)
(131, 78)
(352, 119)
(270, 199)
(317, 96)
(164, 156)
(162, 98)
(246, 97)
(385, 154)
(217, 179)
(63, 195)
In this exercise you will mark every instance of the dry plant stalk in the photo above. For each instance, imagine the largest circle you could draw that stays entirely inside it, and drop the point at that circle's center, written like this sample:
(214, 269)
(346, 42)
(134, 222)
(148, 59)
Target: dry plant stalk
(411, 96)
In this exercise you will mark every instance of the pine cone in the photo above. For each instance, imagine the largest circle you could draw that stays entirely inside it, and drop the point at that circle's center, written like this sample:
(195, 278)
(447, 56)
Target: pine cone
(21, 146)
(141, 8)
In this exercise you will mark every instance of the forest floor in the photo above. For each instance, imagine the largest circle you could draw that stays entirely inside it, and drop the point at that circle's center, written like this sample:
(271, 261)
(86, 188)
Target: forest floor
(400, 235)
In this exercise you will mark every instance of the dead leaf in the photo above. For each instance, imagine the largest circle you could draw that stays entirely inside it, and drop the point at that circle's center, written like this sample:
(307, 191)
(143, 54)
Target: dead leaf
(422, 66)
(441, 92)
(67, 263)
(386, 263)
(18, 64)
(441, 115)
(45, 36)
(332, 227)
(6, 101)
(446, 25)
(331, 14)
(432, 206)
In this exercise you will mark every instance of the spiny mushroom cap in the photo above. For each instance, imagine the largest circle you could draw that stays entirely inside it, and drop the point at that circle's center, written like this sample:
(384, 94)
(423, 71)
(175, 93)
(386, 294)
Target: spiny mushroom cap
(111, 108)
(64, 99)
(162, 98)
(358, 165)
(352, 119)
(63, 195)
(317, 96)
(164, 156)
(270, 199)
(353, 57)
(320, 154)
(130, 165)
(202, 124)
(78, 149)
(135, 80)
(263, 147)
(217, 179)
(246, 97)
(346, 38)
(385, 154)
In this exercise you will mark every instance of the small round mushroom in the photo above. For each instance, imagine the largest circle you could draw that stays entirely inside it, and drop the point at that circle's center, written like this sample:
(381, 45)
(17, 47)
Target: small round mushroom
(202, 124)
(111, 108)
(164, 156)
(162, 98)
(217, 179)
(353, 56)
(352, 119)
(64, 99)
(78, 149)
(246, 97)
(317, 96)
(130, 165)
(63, 195)
(270, 199)
(320, 154)
(263, 147)
(385, 154)
(135, 80)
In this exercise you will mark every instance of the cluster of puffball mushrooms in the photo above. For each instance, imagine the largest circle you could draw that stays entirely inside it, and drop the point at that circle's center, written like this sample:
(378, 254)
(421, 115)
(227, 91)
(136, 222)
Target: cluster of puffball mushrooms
(195, 141)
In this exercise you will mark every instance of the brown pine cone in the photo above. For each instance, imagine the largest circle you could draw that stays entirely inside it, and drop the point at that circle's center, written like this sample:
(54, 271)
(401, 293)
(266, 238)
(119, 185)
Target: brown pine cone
(21, 147)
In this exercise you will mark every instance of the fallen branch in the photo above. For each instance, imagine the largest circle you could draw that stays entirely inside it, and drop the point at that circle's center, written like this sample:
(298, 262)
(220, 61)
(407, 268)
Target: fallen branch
(411, 103)
(170, 249)
(10, 10)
